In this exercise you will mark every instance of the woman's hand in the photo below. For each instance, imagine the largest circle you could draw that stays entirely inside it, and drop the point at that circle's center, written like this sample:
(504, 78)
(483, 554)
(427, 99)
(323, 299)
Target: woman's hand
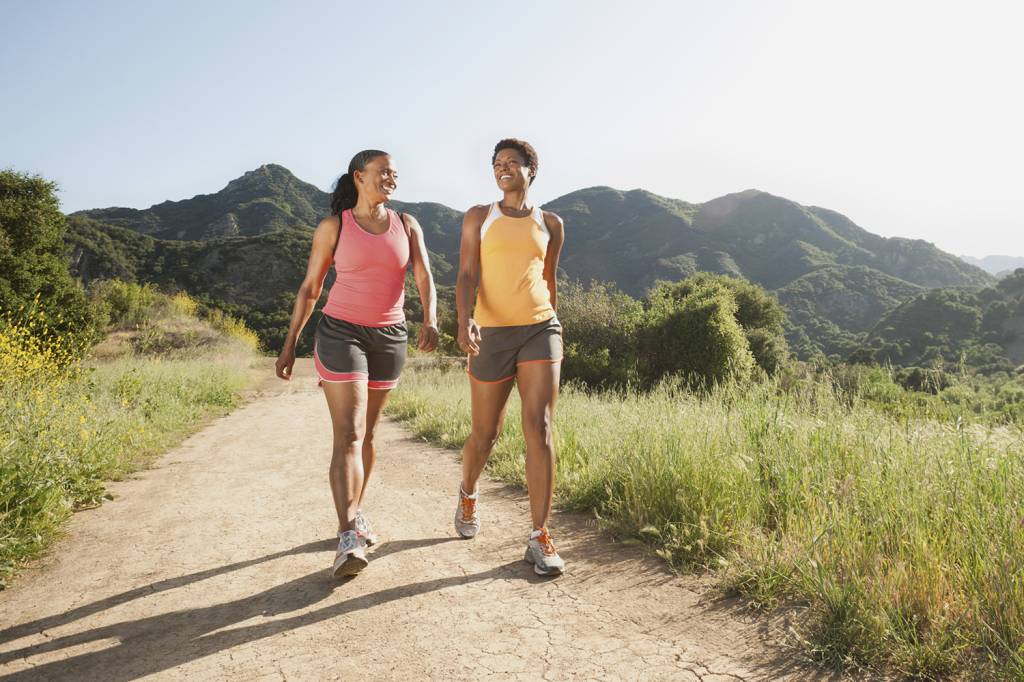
(428, 338)
(284, 363)
(469, 337)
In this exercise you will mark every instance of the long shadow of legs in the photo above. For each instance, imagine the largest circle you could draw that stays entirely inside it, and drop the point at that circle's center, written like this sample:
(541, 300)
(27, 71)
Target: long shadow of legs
(394, 546)
(56, 620)
(50, 622)
(150, 645)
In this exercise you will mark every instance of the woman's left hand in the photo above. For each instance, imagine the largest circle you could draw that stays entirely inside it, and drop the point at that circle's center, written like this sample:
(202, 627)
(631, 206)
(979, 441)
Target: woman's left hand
(428, 338)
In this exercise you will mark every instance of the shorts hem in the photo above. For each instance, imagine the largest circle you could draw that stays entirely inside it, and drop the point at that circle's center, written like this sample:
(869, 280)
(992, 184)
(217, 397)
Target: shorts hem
(484, 381)
(378, 385)
(336, 377)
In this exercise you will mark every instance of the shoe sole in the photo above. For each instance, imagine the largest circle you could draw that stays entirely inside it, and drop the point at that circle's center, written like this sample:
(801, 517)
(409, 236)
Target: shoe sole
(540, 571)
(351, 566)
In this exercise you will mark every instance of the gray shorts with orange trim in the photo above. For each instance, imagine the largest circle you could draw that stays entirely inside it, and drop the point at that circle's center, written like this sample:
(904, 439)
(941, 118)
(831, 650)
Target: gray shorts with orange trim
(503, 348)
(345, 351)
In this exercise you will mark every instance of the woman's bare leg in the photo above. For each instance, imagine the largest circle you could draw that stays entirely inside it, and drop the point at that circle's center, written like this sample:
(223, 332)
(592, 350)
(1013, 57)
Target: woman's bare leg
(347, 404)
(538, 390)
(376, 399)
(488, 409)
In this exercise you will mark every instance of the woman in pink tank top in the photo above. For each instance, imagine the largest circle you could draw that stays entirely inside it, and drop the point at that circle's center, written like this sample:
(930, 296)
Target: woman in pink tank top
(361, 339)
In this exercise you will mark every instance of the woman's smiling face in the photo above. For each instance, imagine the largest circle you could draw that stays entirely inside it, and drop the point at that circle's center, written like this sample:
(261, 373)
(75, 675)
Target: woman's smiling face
(378, 180)
(511, 171)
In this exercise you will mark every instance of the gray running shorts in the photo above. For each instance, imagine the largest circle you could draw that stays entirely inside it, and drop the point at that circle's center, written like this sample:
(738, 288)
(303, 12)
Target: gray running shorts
(343, 352)
(503, 348)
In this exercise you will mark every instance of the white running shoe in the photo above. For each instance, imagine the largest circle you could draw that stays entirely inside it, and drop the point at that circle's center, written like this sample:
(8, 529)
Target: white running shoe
(351, 555)
(467, 523)
(540, 552)
(364, 529)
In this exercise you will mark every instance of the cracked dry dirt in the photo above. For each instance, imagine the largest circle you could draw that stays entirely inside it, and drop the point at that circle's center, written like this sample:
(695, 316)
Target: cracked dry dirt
(215, 565)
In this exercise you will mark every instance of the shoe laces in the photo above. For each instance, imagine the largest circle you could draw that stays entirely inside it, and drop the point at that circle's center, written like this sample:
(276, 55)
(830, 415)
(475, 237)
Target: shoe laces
(544, 540)
(468, 507)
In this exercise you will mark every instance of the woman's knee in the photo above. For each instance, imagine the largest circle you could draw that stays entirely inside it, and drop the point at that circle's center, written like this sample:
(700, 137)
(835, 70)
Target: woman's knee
(485, 439)
(346, 437)
(537, 426)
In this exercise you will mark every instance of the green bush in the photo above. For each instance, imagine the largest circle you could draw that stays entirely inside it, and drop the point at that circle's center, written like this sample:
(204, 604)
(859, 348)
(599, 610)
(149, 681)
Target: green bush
(599, 324)
(126, 305)
(692, 332)
(33, 272)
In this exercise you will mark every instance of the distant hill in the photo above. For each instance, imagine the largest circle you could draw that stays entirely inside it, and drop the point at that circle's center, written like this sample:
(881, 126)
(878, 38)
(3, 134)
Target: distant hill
(637, 237)
(984, 329)
(833, 307)
(247, 244)
(1000, 266)
(263, 200)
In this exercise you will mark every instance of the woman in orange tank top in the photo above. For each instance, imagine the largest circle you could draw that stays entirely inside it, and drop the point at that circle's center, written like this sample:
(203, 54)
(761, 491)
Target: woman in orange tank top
(506, 297)
(360, 341)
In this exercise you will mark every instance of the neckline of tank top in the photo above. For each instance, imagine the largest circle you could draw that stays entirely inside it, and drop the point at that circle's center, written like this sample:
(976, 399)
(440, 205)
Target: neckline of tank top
(391, 222)
(497, 205)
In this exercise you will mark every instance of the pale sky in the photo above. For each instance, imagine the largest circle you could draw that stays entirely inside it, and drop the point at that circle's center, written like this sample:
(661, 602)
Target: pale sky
(904, 116)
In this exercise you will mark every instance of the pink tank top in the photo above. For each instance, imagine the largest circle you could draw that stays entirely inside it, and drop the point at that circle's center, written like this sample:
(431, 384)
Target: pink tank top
(370, 288)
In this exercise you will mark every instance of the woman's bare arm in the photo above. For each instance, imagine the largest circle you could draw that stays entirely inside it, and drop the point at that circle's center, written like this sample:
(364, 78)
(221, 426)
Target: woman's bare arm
(325, 240)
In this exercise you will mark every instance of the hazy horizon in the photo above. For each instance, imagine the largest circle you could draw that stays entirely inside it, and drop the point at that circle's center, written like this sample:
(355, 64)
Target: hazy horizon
(898, 116)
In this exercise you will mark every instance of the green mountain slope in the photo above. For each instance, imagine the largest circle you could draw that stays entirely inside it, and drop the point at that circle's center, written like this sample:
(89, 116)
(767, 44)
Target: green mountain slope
(835, 278)
(983, 328)
(833, 307)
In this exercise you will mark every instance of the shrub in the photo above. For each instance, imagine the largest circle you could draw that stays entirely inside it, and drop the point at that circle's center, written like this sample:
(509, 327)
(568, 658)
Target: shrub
(33, 272)
(692, 332)
(599, 324)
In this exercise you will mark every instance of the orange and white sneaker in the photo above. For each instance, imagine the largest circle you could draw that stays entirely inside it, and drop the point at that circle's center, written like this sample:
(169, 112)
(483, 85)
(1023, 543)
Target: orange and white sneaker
(541, 552)
(467, 522)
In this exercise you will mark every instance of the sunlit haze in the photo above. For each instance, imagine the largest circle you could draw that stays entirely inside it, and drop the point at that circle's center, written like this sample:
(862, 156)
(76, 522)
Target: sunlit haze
(906, 117)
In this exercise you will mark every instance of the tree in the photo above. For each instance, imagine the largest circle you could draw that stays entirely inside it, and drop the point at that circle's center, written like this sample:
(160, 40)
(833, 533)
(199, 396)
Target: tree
(32, 260)
(600, 325)
(757, 312)
(691, 330)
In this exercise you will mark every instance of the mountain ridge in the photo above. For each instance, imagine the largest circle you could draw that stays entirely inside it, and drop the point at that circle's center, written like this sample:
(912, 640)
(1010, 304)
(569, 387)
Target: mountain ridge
(630, 237)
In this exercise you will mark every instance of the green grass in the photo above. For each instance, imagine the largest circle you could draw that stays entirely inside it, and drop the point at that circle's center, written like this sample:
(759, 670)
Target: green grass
(900, 542)
(67, 426)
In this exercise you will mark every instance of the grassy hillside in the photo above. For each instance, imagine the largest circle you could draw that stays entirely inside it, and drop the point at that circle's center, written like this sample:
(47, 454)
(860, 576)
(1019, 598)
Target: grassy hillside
(72, 424)
(896, 539)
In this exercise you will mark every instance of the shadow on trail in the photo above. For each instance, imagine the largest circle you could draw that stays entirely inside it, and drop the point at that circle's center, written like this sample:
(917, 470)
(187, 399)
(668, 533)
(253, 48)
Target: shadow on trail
(156, 643)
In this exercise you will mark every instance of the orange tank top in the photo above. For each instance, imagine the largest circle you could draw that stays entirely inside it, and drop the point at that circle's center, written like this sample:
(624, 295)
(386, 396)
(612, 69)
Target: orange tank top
(513, 290)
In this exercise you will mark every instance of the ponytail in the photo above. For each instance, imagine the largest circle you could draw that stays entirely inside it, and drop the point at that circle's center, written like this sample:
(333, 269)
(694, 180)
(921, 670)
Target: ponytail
(345, 195)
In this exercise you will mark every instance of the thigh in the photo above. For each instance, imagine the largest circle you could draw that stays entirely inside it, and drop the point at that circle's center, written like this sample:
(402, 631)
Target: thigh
(347, 402)
(375, 401)
(385, 357)
(488, 401)
(538, 387)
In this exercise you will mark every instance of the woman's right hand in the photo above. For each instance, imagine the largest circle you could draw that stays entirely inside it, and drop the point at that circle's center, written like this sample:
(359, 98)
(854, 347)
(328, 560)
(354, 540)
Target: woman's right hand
(469, 337)
(284, 363)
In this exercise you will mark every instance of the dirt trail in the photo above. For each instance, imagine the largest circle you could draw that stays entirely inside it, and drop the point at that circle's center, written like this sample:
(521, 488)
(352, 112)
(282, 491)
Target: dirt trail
(215, 565)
